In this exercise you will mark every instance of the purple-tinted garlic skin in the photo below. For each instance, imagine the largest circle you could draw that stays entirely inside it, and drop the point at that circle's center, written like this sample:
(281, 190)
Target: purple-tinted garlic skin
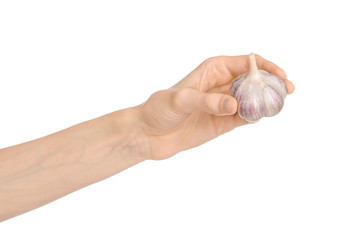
(259, 94)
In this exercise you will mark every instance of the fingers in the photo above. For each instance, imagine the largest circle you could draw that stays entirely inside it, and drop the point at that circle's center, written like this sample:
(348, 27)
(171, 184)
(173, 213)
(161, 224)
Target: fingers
(239, 64)
(236, 64)
(187, 100)
(273, 68)
(270, 67)
(290, 86)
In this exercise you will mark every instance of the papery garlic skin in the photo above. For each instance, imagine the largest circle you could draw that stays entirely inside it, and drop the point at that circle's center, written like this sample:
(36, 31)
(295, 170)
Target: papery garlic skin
(259, 93)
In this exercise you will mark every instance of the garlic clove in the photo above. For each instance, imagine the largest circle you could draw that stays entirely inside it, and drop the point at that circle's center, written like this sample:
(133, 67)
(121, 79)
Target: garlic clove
(259, 93)
(275, 102)
(275, 82)
(251, 106)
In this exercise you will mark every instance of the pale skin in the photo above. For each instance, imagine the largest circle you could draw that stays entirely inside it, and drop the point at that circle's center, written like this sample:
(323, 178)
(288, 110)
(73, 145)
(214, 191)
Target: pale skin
(192, 112)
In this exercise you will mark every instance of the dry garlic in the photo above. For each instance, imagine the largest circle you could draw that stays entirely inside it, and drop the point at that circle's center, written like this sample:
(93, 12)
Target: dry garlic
(259, 93)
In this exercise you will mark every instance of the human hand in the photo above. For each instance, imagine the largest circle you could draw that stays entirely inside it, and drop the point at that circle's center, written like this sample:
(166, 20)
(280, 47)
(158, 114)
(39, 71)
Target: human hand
(188, 114)
(198, 108)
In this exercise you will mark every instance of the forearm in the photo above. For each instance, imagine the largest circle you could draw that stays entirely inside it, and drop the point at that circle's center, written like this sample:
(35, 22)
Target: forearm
(37, 172)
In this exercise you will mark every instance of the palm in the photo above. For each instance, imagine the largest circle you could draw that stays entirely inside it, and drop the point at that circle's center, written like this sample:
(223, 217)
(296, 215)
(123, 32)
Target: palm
(167, 115)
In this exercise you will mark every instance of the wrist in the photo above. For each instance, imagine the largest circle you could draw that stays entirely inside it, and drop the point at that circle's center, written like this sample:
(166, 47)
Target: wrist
(128, 136)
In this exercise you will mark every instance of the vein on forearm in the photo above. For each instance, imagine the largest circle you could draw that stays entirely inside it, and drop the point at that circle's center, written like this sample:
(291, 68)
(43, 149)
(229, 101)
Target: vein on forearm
(37, 172)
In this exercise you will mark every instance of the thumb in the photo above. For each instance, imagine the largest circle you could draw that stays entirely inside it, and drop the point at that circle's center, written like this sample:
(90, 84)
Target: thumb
(188, 100)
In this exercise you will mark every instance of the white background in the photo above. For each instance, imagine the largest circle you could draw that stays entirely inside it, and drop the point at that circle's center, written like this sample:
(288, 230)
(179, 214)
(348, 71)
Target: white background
(295, 176)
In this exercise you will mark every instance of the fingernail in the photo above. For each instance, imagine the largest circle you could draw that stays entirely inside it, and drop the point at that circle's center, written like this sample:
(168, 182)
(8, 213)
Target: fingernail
(228, 105)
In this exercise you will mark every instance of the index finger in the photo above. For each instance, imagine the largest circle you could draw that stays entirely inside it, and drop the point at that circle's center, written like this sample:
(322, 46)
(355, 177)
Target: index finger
(239, 64)
(273, 68)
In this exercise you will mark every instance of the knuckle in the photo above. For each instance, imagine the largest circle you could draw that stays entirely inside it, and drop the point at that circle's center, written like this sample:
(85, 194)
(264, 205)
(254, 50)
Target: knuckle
(203, 101)
(178, 98)
(213, 61)
(282, 74)
(156, 95)
(181, 94)
(211, 66)
(258, 57)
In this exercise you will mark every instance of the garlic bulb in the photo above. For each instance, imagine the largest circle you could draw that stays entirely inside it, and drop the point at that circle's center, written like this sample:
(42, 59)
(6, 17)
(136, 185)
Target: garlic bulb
(259, 93)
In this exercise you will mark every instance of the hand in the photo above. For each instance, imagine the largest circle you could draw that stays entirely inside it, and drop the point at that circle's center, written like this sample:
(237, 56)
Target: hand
(188, 114)
(198, 108)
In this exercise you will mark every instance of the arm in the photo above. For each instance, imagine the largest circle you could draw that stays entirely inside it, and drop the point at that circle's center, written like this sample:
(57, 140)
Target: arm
(194, 111)
(37, 172)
